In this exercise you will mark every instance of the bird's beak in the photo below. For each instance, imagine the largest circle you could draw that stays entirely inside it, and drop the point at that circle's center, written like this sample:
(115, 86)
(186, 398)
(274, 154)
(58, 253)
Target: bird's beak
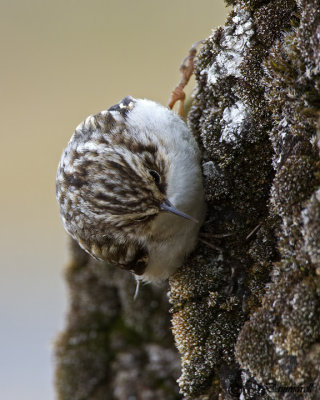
(167, 206)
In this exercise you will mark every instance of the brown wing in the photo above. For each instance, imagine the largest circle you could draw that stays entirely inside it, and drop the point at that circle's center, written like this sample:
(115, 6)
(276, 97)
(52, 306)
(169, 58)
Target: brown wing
(129, 256)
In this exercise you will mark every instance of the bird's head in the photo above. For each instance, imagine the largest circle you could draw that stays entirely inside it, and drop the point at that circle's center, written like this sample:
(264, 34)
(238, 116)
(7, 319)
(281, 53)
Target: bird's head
(112, 178)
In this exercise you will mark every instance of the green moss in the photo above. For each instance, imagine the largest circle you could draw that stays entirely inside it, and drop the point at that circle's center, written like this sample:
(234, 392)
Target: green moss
(261, 171)
(280, 337)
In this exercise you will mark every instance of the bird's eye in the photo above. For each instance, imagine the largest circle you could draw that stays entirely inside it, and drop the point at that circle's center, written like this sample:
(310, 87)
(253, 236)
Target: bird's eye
(156, 177)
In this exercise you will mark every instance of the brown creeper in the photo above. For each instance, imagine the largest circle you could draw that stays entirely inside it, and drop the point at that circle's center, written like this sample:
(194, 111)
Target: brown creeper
(129, 186)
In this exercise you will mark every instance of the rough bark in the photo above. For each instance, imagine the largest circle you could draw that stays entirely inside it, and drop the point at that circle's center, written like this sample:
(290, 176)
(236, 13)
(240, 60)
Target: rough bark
(245, 308)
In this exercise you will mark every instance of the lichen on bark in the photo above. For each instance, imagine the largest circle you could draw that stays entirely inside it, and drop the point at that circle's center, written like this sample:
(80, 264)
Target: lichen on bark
(255, 114)
(288, 323)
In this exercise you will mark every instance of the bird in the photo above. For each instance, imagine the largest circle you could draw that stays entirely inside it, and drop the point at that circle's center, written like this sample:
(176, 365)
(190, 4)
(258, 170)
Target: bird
(129, 187)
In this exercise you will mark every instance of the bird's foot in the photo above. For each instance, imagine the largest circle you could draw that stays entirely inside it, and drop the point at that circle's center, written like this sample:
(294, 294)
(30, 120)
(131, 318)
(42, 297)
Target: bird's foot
(186, 71)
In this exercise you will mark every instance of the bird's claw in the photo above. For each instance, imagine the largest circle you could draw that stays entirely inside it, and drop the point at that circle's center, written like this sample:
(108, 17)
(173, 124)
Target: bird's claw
(186, 71)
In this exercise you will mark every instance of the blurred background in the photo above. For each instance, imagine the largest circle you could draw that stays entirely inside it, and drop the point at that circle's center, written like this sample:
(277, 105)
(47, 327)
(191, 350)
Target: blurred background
(61, 61)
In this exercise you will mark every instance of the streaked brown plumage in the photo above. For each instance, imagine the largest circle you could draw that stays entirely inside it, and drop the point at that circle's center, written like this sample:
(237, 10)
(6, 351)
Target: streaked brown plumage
(116, 182)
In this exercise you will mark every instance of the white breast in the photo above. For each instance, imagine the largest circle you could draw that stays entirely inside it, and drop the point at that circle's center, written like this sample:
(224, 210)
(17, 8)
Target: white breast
(173, 237)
